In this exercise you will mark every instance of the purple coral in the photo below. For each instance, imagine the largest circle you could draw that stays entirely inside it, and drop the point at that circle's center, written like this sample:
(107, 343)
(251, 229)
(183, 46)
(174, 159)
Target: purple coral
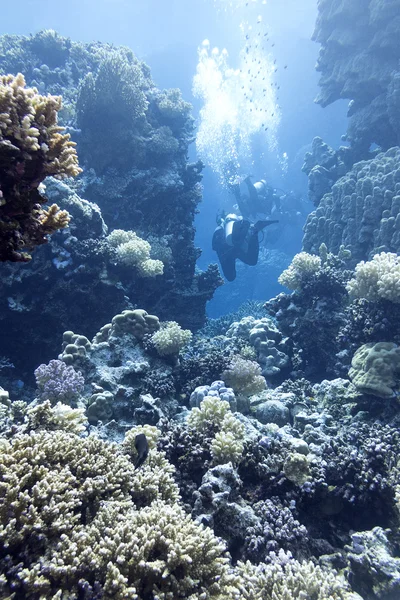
(58, 382)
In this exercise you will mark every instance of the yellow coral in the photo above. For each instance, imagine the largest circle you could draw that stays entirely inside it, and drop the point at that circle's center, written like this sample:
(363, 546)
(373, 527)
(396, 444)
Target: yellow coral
(54, 218)
(212, 411)
(171, 338)
(228, 444)
(74, 511)
(31, 147)
(302, 266)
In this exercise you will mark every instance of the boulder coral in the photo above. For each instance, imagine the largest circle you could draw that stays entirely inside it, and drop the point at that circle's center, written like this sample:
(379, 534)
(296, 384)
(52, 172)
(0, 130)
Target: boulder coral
(375, 369)
(361, 212)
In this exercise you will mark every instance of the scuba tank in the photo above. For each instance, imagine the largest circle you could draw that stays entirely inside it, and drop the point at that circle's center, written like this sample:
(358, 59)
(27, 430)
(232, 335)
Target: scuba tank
(229, 222)
(261, 187)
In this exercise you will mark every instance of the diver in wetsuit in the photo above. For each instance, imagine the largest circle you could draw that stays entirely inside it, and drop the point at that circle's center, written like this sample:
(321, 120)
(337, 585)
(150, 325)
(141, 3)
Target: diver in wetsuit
(236, 238)
(261, 198)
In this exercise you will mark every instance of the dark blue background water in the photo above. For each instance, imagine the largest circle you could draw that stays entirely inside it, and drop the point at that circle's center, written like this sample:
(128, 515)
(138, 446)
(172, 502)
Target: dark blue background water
(166, 34)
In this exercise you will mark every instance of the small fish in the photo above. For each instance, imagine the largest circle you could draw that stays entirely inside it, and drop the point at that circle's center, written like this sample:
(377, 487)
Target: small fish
(142, 448)
(272, 45)
(285, 67)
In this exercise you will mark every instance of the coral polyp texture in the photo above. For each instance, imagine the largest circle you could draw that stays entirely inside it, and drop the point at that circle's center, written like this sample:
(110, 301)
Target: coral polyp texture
(32, 146)
(361, 211)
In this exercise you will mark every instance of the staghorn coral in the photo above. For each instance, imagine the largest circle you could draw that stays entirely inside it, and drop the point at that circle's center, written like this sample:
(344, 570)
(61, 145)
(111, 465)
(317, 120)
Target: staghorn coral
(31, 148)
(290, 580)
(376, 279)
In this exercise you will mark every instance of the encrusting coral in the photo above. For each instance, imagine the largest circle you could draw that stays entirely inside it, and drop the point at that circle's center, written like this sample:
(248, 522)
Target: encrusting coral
(31, 148)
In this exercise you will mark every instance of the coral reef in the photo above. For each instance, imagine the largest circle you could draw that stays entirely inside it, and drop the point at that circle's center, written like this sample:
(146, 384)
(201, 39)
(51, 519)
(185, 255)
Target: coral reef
(244, 376)
(31, 148)
(99, 523)
(155, 194)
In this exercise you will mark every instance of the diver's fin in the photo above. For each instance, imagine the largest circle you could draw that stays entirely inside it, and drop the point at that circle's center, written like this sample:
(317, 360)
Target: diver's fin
(260, 225)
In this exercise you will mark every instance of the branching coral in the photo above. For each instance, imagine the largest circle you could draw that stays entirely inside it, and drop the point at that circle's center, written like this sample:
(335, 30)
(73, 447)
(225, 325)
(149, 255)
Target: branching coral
(171, 338)
(244, 376)
(133, 251)
(69, 521)
(214, 415)
(291, 580)
(58, 382)
(378, 278)
(31, 147)
(303, 266)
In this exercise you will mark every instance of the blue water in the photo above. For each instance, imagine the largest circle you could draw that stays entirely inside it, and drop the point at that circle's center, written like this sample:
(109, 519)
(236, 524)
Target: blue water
(166, 35)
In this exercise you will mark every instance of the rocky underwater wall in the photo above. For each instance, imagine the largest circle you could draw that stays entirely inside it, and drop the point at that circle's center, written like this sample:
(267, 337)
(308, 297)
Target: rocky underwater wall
(356, 188)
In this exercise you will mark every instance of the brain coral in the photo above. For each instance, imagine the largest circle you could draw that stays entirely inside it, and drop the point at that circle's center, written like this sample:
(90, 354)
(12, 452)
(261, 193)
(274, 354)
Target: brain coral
(361, 212)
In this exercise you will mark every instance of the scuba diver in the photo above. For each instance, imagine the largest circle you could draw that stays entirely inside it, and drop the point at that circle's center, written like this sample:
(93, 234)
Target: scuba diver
(236, 238)
(261, 198)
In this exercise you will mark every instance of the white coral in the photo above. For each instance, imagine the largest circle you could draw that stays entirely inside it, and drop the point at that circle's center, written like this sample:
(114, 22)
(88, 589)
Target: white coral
(377, 278)
(302, 266)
